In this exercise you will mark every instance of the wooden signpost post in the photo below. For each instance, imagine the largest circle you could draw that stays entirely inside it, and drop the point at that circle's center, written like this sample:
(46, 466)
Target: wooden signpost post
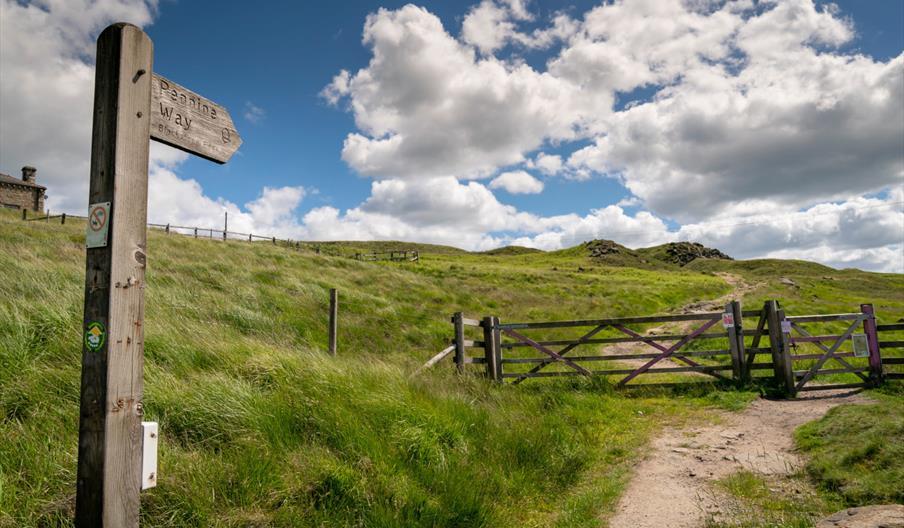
(131, 106)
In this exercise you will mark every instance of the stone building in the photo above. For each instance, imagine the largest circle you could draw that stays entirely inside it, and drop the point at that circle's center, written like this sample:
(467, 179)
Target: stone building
(22, 194)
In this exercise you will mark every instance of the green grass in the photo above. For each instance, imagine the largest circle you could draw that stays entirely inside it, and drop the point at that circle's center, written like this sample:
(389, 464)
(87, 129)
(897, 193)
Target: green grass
(260, 428)
(857, 452)
(759, 501)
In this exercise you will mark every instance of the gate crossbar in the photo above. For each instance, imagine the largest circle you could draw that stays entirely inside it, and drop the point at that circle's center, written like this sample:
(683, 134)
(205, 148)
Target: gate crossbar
(555, 356)
(829, 352)
(668, 352)
(662, 348)
(561, 352)
(824, 348)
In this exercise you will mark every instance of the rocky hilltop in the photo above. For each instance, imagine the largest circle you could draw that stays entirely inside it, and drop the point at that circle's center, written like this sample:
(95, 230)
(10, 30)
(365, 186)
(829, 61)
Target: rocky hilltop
(682, 253)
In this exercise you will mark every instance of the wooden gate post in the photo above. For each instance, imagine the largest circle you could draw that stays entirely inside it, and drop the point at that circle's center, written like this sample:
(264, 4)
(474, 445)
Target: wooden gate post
(497, 348)
(872, 338)
(334, 319)
(778, 343)
(736, 343)
(110, 434)
(787, 372)
(491, 347)
(459, 357)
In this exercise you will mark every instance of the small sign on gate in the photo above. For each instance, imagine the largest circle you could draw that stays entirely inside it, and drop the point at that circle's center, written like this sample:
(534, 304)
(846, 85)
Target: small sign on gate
(786, 326)
(860, 344)
(727, 320)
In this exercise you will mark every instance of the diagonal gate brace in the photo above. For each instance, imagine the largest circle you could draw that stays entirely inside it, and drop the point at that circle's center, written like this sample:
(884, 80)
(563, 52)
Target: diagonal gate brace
(661, 348)
(561, 352)
(548, 352)
(668, 352)
(829, 353)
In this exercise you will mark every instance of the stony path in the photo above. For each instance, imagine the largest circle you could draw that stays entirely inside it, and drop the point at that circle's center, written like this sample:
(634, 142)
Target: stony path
(672, 486)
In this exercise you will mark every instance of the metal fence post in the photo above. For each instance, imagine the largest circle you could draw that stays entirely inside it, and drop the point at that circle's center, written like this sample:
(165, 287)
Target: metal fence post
(872, 339)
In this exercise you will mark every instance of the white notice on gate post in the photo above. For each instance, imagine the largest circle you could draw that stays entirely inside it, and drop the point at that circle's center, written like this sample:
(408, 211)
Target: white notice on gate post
(727, 320)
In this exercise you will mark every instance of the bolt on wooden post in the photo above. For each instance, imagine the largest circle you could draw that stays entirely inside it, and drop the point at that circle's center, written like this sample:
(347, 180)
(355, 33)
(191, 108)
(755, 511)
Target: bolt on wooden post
(131, 106)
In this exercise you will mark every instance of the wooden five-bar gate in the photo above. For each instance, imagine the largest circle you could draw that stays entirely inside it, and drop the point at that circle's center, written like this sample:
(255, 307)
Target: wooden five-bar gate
(800, 352)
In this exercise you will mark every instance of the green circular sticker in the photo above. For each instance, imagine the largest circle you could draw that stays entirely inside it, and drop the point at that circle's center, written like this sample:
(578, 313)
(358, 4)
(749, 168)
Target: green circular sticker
(95, 335)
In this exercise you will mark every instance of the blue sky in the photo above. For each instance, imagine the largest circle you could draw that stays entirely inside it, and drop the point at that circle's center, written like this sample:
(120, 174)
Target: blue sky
(767, 129)
(280, 57)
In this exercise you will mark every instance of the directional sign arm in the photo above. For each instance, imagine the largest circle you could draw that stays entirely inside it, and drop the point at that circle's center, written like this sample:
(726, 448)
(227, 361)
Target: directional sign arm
(187, 121)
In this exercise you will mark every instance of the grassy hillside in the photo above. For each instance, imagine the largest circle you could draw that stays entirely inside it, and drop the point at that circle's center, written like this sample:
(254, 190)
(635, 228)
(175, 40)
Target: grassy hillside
(260, 428)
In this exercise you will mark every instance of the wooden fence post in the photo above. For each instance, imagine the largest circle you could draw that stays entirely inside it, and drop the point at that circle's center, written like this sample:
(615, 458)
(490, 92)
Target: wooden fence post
(736, 342)
(459, 357)
(196, 232)
(63, 219)
(779, 343)
(872, 339)
(167, 229)
(274, 241)
(110, 434)
(225, 223)
(334, 319)
(787, 374)
(490, 331)
(497, 348)
(24, 213)
(781, 360)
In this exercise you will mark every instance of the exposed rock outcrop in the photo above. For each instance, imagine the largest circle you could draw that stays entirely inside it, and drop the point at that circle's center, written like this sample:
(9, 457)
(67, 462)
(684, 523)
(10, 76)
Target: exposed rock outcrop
(600, 248)
(682, 253)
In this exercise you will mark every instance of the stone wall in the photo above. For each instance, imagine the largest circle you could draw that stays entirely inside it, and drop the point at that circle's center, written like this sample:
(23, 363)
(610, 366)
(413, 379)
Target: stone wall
(21, 197)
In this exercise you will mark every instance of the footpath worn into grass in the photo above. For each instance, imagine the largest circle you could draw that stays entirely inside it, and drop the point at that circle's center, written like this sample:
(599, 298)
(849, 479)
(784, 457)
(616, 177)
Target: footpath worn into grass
(260, 428)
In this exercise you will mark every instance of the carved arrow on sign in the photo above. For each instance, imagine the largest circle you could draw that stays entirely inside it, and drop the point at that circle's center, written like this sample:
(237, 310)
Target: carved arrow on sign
(185, 120)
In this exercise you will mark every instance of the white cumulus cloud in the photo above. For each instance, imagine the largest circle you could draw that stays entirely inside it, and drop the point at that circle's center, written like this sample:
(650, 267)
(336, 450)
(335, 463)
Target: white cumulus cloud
(517, 182)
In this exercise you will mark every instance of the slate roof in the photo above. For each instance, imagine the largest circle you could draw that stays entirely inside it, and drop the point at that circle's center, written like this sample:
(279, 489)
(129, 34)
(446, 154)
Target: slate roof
(6, 178)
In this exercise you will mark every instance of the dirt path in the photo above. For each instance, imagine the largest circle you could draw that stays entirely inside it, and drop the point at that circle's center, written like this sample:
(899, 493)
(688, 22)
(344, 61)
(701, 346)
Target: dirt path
(672, 486)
